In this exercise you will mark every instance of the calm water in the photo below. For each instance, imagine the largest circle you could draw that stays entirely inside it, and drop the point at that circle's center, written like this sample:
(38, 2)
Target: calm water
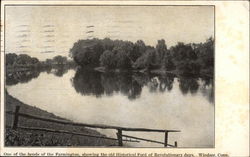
(129, 100)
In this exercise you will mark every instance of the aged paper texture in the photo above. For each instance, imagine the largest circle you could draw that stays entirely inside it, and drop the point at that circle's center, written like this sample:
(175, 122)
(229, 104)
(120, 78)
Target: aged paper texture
(125, 78)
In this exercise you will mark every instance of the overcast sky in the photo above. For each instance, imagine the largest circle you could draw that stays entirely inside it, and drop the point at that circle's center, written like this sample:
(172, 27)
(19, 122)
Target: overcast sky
(47, 31)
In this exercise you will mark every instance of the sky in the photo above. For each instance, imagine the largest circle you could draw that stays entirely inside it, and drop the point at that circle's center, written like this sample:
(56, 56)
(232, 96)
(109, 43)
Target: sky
(47, 31)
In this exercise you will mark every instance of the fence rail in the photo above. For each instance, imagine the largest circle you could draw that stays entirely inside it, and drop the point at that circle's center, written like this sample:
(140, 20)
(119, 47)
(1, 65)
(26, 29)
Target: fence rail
(119, 129)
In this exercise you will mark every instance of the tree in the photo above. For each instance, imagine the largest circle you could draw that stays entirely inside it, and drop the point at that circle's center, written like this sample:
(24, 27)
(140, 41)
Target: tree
(49, 61)
(182, 52)
(205, 53)
(23, 59)
(185, 59)
(60, 59)
(123, 62)
(87, 52)
(108, 59)
(161, 49)
(168, 63)
(97, 52)
(34, 60)
(148, 60)
(187, 67)
(10, 58)
(139, 49)
(108, 44)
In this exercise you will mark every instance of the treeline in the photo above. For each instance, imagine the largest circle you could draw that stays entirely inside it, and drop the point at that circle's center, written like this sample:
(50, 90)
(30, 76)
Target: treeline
(12, 59)
(125, 55)
(23, 68)
(25, 61)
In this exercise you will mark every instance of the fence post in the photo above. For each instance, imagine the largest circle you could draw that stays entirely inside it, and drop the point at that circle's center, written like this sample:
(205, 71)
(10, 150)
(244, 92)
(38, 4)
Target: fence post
(15, 122)
(166, 139)
(119, 137)
(175, 143)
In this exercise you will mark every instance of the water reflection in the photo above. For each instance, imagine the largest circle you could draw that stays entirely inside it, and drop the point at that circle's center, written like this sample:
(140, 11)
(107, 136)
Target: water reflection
(188, 84)
(207, 89)
(166, 82)
(59, 70)
(89, 82)
(123, 83)
(16, 76)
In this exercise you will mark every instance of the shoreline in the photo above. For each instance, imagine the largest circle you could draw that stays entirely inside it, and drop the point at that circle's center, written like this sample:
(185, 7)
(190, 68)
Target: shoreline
(20, 137)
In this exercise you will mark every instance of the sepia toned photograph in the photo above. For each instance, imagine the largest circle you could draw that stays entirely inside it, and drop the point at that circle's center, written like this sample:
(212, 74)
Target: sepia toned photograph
(109, 76)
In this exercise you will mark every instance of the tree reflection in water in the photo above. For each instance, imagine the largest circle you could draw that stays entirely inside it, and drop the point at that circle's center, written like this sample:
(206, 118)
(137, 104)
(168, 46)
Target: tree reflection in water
(207, 89)
(59, 70)
(193, 84)
(166, 82)
(110, 83)
(122, 82)
(188, 84)
(24, 76)
(20, 77)
(88, 82)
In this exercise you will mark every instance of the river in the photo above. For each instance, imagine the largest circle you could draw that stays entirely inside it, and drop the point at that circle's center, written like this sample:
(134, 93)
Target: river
(128, 100)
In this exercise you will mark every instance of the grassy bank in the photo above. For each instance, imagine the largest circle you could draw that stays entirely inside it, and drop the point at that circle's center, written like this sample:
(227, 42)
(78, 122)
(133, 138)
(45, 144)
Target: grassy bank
(21, 137)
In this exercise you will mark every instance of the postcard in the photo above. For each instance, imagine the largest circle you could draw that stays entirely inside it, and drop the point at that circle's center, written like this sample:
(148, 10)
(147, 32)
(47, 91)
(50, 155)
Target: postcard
(125, 78)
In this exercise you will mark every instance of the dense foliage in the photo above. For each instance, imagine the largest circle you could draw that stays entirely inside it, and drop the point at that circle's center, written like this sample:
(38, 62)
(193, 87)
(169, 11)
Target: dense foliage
(59, 60)
(24, 60)
(13, 59)
(117, 54)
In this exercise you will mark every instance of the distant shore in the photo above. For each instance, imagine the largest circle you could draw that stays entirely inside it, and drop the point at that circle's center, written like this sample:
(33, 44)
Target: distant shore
(21, 137)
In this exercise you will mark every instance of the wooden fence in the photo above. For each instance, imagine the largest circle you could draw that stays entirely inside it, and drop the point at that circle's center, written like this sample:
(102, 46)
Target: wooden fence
(119, 134)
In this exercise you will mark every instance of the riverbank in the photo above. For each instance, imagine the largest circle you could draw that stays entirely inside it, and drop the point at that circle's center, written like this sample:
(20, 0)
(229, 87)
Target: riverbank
(21, 137)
